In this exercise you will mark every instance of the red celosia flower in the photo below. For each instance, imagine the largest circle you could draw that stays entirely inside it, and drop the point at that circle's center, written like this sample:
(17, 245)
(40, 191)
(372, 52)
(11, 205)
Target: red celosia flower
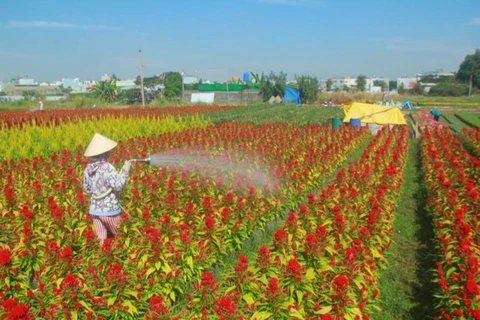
(294, 269)
(225, 306)
(341, 282)
(67, 253)
(5, 257)
(156, 304)
(209, 222)
(70, 280)
(471, 288)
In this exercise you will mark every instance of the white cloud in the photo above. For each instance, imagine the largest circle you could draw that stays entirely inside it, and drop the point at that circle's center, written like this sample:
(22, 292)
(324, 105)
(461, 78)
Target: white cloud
(293, 2)
(58, 25)
(475, 22)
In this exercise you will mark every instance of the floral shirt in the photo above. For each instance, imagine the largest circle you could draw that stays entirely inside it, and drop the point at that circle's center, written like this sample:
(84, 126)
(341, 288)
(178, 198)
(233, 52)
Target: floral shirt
(98, 178)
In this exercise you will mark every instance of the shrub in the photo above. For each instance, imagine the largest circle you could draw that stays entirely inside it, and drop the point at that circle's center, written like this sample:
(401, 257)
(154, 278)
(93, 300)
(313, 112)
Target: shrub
(449, 89)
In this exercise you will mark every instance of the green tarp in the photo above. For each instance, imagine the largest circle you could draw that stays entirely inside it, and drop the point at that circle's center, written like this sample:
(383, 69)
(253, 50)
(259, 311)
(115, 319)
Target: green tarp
(208, 87)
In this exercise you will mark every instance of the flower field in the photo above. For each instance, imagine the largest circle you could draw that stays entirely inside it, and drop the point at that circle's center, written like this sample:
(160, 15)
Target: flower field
(334, 214)
(17, 119)
(452, 177)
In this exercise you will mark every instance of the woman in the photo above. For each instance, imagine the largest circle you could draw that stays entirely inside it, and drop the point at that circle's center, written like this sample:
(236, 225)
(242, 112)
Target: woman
(103, 184)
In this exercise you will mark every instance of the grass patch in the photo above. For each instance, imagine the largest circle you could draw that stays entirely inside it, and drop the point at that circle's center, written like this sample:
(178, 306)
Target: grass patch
(263, 113)
(406, 289)
(471, 119)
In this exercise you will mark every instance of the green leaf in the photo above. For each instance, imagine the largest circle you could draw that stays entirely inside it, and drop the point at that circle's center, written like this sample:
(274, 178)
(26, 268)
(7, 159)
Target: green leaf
(85, 305)
(111, 301)
(310, 274)
(299, 296)
(131, 308)
(248, 298)
(150, 271)
(190, 262)
(172, 295)
(295, 313)
(324, 310)
(261, 315)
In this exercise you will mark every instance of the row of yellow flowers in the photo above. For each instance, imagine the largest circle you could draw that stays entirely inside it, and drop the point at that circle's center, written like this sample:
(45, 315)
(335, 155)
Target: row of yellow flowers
(32, 140)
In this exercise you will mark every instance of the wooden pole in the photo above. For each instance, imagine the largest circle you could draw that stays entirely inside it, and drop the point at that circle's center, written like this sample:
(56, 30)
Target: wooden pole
(470, 87)
(140, 60)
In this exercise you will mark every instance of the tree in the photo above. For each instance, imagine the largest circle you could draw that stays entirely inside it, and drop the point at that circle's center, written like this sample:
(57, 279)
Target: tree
(419, 88)
(114, 77)
(401, 88)
(308, 86)
(362, 82)
(469, 70)
(449, 89)
(106, 90)
(380, 83)
(150, 82)
(329, 84)
(2, 94)
(173, 84)
(392, 84)
(271, 85)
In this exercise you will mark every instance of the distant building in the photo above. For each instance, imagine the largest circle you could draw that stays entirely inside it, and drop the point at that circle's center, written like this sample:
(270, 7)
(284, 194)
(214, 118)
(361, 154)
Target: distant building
(73, 83)
(19, 90)
(434, 74)
(127, 84)
(408, 83)
(26, 82)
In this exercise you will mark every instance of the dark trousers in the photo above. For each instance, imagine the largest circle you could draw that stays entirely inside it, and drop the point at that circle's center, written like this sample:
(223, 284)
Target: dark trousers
(436, 118)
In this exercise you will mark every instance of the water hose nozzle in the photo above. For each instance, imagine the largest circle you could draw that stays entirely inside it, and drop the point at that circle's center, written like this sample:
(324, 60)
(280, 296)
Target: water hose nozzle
(146, 160)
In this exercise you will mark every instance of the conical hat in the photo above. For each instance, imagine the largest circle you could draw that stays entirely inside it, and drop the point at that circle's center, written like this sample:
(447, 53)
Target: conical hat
(99, 145)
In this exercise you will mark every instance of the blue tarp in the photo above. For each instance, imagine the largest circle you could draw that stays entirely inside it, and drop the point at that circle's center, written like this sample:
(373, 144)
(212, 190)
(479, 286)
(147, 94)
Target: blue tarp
(406, 105)
(292, 95)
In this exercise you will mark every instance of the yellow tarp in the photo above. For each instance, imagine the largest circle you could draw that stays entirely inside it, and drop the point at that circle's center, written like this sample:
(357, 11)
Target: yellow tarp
(372, 113)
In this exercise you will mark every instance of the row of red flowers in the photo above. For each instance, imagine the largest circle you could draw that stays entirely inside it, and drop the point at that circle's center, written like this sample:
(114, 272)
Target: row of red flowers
(452, 177)
(324, 261)
(178, 222)
(11, 119)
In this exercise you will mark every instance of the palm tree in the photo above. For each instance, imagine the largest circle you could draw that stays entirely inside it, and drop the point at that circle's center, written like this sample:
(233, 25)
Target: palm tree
(106, 90)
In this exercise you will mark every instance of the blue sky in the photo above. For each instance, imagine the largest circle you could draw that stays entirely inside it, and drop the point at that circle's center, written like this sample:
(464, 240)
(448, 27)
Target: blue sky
(217, 39)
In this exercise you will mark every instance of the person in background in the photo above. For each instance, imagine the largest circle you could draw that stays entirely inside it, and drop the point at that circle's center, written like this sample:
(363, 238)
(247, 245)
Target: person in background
(41, 106)
(436, 114)
(103, 183)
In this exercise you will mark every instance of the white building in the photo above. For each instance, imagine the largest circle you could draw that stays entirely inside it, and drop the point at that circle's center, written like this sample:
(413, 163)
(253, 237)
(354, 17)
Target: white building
(408, 83)
(26, 82)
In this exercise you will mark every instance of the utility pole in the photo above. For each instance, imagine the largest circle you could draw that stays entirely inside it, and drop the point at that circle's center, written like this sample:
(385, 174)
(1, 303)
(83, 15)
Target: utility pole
(140, 60)
(470, 86)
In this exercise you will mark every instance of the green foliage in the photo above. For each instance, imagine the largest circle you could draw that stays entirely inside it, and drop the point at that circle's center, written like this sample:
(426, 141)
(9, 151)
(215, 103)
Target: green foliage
(272, 85)
(2, 94)
(173, 85)
(30, 95)
(401, 89)
(418, 89)
(106, 90)
(392, 84)
(362, 82)
(308, 86)
(329, 84)
(449, 89)
(265, 113)
(150, 82)
(469, 118)
(380, 83)
(470, 67)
